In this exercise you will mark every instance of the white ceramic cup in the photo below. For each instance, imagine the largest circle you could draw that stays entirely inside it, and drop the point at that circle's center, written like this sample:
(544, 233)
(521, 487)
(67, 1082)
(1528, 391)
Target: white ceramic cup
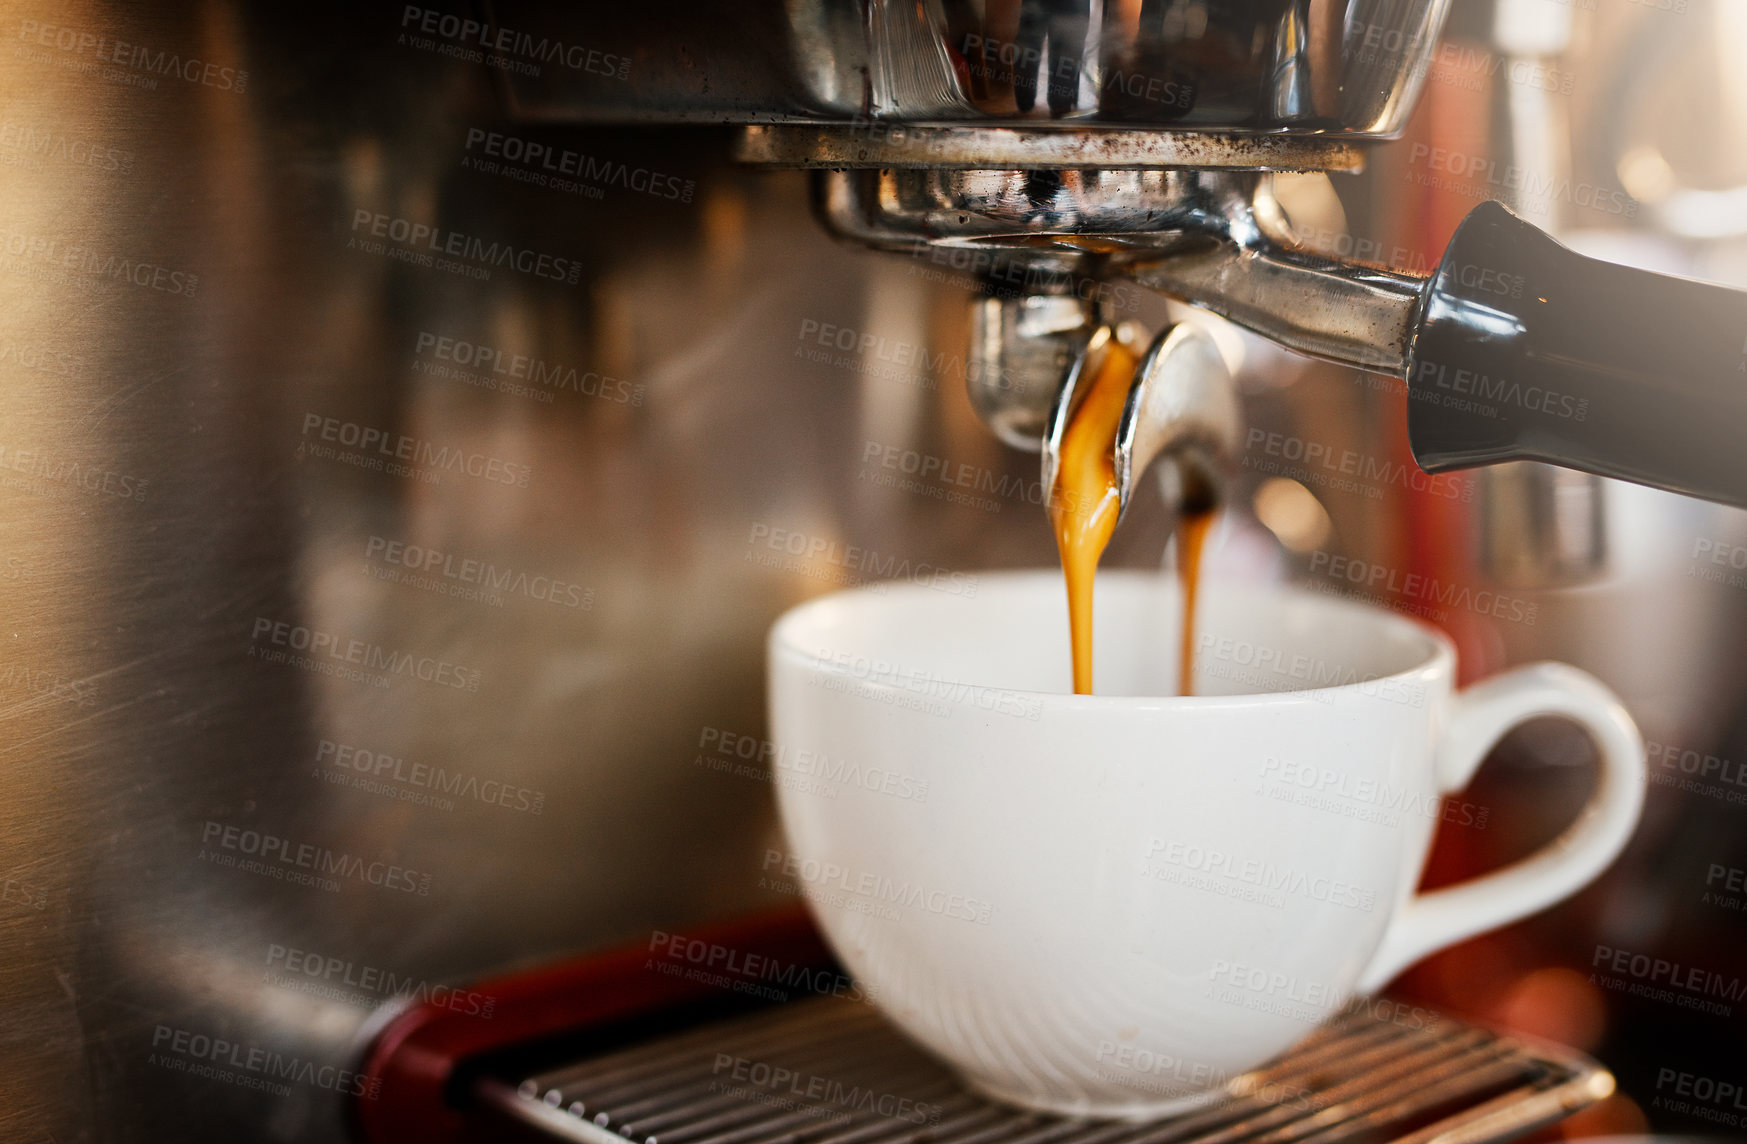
(1116, 904)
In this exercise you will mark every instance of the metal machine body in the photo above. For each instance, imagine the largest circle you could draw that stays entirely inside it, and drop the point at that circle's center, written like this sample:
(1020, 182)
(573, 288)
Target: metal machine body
(188, 280)
(1293, 67)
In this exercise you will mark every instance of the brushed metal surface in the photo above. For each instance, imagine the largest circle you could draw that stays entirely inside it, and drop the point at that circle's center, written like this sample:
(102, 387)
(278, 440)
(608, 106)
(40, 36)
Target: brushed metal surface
(219, 332)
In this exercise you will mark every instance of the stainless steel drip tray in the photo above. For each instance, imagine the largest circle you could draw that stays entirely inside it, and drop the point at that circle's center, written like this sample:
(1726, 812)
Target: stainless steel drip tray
(832, 1071)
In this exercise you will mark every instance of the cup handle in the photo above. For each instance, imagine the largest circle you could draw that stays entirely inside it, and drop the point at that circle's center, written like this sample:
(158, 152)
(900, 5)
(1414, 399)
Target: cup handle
(1479, 717)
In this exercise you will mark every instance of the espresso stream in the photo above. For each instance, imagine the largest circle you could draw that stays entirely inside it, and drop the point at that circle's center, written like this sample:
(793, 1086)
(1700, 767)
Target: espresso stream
(1192, 530)
(1085, 504)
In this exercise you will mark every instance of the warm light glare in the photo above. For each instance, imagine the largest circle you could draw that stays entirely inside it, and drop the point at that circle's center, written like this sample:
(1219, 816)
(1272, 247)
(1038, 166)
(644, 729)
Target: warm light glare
(1645, 174)
(1292, 513)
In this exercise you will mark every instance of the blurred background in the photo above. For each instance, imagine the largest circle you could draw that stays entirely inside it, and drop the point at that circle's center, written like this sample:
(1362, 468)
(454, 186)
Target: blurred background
(392, 510)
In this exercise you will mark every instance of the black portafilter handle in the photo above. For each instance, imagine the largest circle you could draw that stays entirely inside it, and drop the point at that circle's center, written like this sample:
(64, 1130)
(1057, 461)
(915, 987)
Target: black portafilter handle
(1524, 349)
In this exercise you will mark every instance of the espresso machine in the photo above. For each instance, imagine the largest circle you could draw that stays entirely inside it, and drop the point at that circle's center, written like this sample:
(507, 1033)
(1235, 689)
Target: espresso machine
(415, 417)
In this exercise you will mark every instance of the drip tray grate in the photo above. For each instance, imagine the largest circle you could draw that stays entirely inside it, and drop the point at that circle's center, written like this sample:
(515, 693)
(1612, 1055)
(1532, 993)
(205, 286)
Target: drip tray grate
(847, 1077)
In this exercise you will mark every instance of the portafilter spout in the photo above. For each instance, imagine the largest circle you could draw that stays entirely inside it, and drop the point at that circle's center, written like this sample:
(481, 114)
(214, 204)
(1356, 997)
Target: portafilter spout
(1057, 249)
(1515, 348)
(1181, 413)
